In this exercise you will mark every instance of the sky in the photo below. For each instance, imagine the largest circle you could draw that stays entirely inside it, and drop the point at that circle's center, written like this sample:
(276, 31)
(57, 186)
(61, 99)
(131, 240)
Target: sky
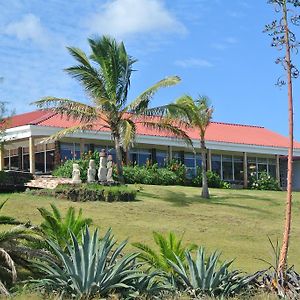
(216, 47)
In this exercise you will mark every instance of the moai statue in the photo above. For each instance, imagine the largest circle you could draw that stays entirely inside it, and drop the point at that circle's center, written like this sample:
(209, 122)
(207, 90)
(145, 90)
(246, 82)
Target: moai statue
(110, 169)
(102, 172)
(76, 174)
(91, 172)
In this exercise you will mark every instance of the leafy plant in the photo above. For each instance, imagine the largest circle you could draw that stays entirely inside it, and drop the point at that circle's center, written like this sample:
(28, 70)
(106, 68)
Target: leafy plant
(204, 275)
(264, 182)
(16, 249)
(169, 248)
(56, 227)
(213, 180)
(91, 267)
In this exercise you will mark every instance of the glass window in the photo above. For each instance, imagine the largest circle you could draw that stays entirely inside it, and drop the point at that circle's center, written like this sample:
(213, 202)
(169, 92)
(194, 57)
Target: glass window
(262, 168)
(198, 160)
(238, 171)
(39, 162)
(161, 158)
(272, 171)
(216, 164)
(50, 160)
(26, 162)
(66, 151)
(227, 167)
(189, 160)
(144, 157)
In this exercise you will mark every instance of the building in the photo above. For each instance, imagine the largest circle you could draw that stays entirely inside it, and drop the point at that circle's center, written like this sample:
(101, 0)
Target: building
(234, 150)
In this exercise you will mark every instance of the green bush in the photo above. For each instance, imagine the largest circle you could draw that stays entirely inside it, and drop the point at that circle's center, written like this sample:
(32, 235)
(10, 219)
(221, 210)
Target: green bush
(213, 179)
(65, 170)
(150, 175)
(95, 192)
(264, 182)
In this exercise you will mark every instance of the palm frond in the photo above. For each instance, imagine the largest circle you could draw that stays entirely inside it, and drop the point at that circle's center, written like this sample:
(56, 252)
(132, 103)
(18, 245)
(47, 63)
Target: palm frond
(10, 263)
(141, 103)
(127, 132)
(71, 109)
(62, 133)
(167, 127)
(87, 75)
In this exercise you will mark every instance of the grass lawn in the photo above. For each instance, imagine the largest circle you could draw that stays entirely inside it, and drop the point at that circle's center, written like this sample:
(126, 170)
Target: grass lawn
(237, 222)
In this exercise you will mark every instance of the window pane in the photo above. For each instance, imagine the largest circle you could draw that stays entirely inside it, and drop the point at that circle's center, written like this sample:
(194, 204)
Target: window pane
(161, 158)
(272, 171)
(50, 160)
(216, 164)
(227, 170)
(238, 159)
(189, 160)
(261, 160)
(39, 162)
(238, 171)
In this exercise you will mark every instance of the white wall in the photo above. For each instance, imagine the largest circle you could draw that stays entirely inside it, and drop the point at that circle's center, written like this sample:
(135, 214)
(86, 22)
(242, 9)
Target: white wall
(296, 176)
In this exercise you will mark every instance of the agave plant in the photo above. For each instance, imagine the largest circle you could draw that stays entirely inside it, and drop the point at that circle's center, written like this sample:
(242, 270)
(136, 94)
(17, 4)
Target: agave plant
(170, 247)
(92, 267)
(56, 227)
(205, 276)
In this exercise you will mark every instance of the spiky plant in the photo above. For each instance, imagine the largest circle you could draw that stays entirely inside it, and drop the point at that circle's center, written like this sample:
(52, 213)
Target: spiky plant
(169, 247)
(105, 75)
(94, 267)
(57, 227)
(205, 276)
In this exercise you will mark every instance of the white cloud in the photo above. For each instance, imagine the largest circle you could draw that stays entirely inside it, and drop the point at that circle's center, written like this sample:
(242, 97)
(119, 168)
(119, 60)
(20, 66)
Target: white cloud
(194, 62)
(122, 18)
(28, 28)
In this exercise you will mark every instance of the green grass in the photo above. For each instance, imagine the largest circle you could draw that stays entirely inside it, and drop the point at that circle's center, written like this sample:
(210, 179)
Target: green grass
(238, 222)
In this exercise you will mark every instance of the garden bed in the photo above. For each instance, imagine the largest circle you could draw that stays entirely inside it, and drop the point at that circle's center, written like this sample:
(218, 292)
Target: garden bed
(89, 192)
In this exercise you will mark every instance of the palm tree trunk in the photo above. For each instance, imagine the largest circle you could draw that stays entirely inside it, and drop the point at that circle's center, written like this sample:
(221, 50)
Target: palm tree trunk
(288, 208)
(119, 160)
(205, 192)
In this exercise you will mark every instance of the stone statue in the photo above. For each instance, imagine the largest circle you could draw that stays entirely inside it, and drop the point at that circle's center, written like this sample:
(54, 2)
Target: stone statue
(91, 172)
(102, 172)
(109, 177)
(76, 174)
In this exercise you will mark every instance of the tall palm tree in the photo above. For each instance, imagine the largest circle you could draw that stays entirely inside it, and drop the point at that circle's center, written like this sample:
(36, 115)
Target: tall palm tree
(105, 76)
(197, 113)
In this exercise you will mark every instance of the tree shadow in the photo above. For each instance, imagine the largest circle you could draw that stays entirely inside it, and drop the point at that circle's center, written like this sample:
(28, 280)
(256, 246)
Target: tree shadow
(180, 199)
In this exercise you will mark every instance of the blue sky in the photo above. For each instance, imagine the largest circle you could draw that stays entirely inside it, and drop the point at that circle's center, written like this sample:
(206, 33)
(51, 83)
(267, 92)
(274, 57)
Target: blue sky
(217, 48)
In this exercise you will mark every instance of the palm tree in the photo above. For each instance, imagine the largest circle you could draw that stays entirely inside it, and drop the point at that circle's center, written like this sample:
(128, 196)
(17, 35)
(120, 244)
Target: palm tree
(197, 113)
(105, 76)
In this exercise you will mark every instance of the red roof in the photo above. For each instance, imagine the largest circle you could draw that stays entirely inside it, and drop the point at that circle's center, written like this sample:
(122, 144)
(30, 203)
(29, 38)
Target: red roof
(216, 132)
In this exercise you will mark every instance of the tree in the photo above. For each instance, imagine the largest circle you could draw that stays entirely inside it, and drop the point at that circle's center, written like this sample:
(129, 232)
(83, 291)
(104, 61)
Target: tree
(105, 76)
(197, 113)
(284, 38)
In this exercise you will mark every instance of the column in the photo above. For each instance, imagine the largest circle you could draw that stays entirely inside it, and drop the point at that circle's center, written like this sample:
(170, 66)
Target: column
(277, 168)
(209, 167)
(1, 157)
(57, 158)
(81, 148)
(245, 171)
(31, 155)
(170, 156)
(153, 156)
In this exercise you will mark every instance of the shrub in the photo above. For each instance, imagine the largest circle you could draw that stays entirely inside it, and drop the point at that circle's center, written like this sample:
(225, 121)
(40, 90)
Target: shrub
(95, 192)
(264, 182)
(213, 179)
(178, 169)
(12, 181)
(57, 227)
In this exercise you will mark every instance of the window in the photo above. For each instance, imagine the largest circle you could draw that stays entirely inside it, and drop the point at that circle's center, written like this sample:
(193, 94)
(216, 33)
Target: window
(238, 168)
(161, 158)
(227, 167)
(144, 157)
(216, 164)
(189, 162)
(69, 151)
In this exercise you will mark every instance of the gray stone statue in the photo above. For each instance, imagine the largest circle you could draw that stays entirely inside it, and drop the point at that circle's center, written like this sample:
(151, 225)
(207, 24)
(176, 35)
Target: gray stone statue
(91, 172)
(102, 172)
(76, 174)
(109, 177)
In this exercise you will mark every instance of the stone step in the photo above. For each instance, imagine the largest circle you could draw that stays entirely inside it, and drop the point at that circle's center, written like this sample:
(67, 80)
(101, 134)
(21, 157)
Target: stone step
(47, 182)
